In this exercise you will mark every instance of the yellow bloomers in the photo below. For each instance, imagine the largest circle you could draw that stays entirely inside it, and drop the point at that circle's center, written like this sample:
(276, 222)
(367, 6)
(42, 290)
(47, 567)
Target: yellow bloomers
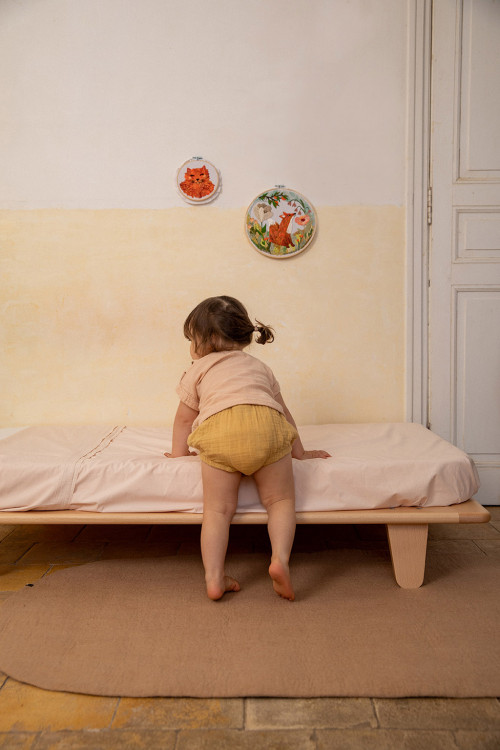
(243, 438)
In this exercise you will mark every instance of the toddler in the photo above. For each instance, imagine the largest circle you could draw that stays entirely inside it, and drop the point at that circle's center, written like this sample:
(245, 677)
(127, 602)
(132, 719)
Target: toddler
(232, 411)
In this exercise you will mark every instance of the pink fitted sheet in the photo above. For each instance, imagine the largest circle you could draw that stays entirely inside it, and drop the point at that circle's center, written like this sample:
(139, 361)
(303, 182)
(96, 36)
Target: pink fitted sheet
(123, 469)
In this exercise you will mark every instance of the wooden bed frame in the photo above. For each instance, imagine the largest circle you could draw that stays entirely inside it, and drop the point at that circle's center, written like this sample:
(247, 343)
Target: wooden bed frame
(406, 527)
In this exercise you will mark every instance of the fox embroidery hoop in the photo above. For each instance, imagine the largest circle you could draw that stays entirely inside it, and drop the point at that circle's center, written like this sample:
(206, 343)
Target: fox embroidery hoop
(280, 223)
(198, 181)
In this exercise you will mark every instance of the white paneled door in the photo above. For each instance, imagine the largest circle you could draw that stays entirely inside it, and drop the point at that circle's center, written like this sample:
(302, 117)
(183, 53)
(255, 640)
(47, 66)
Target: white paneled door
(464, 258)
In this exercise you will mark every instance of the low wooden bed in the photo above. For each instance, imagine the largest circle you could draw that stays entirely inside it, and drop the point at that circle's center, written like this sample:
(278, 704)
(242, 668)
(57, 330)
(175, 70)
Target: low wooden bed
(400, 475)
(406, 527)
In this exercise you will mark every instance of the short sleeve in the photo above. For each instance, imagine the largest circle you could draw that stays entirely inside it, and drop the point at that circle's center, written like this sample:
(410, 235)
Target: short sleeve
(186, 390)
(275, 386)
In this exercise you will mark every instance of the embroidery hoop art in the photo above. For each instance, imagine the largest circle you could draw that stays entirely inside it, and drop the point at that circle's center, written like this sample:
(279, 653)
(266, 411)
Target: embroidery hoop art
(273, 208)
(197, 162)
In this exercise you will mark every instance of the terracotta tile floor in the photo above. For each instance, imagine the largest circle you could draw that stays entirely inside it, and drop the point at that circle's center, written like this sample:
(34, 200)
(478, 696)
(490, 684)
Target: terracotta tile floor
(35, 719)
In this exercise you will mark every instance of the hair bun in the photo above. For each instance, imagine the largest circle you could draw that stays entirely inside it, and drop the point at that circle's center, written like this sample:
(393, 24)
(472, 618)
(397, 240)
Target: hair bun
(266, 333)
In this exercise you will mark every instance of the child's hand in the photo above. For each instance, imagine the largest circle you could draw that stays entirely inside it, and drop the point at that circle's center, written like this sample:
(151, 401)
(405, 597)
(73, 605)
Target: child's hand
(313, 454)
(169, 455)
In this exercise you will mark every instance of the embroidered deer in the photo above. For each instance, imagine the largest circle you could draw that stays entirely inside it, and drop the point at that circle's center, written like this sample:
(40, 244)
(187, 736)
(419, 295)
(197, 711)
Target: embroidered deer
(278, 233)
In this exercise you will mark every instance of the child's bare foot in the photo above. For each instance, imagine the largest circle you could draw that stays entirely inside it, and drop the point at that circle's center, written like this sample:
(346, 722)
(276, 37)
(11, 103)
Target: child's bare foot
(280, 575)
(217, 588)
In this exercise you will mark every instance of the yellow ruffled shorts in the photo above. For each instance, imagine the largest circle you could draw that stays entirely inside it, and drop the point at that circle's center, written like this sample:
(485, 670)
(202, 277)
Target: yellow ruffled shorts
(243, 438)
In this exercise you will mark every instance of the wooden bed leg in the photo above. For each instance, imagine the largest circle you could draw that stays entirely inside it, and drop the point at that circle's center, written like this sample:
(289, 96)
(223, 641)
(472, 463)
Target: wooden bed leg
(408, 545)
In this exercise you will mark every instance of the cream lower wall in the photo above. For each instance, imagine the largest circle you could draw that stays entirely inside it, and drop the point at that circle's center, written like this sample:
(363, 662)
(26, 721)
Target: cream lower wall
(93, 304)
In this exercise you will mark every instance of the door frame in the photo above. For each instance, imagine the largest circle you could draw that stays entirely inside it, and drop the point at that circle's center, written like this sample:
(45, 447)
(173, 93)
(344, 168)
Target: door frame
(418, 208)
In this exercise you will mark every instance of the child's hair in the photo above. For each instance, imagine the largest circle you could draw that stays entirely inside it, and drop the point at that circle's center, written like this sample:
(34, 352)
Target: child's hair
(218, 323)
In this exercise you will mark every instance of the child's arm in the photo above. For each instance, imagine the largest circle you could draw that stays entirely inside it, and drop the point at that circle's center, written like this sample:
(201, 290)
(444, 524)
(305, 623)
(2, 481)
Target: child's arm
(297, 448)
(183, 422)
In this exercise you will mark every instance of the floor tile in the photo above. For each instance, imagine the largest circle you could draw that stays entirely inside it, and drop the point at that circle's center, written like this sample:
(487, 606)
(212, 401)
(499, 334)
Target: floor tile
(439, 713)
(342, 535)
(55, 552)
(463, 531)
(46, 532)
(318, 546)
(309, 538)
(190, 547)
(19, 741)
(477, 740)
(371, 531)
(105, 739)
(11, 551)
(14, 577)
(179, 713)
(384, 739)
(173, 533)
(239, 547)
(6, 530)
(24, 708)
(114, 533)
(379, 548)
(490, 546)
(451, 546)
(280, 713)
(219, 739)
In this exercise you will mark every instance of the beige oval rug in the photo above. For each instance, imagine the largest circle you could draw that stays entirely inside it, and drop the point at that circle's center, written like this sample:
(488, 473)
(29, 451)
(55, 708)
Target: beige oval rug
(145, 628)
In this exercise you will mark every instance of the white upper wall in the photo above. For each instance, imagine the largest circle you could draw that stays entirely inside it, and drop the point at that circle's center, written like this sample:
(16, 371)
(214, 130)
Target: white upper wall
(103, 100)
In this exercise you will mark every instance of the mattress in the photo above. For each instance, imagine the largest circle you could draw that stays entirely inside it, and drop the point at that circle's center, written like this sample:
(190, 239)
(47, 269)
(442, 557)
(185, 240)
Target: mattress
(123, 469)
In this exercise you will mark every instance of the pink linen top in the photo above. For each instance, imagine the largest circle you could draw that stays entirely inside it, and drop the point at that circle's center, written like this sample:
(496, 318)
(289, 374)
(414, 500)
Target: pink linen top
(220, 380)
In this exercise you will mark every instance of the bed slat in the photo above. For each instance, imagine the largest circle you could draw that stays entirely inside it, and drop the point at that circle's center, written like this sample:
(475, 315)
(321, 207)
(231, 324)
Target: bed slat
(467, 512)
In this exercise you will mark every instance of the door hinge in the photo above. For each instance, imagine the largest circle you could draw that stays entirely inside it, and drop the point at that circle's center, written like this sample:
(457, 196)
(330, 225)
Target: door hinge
(429, 205)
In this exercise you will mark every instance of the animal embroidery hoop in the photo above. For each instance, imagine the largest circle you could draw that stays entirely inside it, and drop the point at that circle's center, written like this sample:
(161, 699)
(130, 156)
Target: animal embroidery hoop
(280, 223)
(198, 181)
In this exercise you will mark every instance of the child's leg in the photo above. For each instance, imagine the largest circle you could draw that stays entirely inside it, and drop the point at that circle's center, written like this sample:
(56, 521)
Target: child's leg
(277, 493)
(220, 498)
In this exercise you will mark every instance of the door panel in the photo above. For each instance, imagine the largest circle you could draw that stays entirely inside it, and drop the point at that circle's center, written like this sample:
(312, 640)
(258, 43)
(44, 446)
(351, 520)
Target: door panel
(477, 384)
(480, 101)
